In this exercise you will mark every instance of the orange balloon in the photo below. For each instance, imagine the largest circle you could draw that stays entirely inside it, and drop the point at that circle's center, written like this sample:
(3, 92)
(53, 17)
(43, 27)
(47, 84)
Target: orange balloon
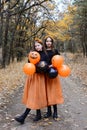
(29, 68)
(64, 71)
(57, 61)
(34, 57)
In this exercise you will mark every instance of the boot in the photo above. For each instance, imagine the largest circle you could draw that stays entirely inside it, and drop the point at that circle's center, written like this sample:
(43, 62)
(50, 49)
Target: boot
(21, 118)
(55, 115)
(38, 115)
(49, 112)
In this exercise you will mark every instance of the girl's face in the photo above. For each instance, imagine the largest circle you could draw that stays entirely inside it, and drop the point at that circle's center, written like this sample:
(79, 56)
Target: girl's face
(38, 46)
(49, 42)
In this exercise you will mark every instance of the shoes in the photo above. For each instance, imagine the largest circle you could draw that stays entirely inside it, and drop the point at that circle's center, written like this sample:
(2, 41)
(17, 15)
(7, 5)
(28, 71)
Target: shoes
(20, 119)
(38, 115)
(49, 112)
(47, 115)
(55, 116)
(37, 118)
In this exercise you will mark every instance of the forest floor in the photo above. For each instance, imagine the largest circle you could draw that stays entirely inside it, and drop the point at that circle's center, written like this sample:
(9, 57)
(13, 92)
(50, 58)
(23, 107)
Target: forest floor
(72, 114)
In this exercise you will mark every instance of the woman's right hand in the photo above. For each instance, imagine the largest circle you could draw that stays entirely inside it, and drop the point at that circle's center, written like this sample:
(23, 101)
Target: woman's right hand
(50, 66)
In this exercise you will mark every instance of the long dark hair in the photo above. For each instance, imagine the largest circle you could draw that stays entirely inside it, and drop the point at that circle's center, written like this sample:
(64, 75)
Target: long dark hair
(52, 40)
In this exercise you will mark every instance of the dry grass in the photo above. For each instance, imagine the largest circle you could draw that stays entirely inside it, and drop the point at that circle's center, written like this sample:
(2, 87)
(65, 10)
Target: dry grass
(78, 65)
(12, 76)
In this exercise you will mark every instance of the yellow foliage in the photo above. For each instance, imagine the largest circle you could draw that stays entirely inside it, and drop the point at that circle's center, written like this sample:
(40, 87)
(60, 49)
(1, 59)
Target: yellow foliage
(67, 17)
(18, 27)
(72, 8)
(59, 29)
(24, 28)
(49, 5)
(27, 21)
(21, 27)
(61, 38)
(75, 8)
(63, 25)
(67, 37)
(49, 33)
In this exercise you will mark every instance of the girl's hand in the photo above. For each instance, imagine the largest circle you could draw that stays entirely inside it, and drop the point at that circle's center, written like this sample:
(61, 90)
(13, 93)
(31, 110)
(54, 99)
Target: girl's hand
(50, 66)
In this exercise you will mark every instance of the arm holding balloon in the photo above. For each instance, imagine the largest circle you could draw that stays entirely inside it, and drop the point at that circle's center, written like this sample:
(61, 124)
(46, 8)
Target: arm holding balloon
(57, 52)
(33, 58)
(57, 62)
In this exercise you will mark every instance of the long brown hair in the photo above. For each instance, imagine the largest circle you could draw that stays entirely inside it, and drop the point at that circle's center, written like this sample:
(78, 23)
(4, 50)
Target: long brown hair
(52, 40)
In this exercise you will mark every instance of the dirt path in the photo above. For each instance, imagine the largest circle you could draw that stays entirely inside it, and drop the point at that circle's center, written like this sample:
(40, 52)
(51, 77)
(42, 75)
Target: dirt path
(72, 114)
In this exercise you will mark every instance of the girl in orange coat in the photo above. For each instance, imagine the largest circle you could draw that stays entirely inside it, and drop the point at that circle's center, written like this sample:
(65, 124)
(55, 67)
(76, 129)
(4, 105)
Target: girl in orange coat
(53, 86)
(34, 96)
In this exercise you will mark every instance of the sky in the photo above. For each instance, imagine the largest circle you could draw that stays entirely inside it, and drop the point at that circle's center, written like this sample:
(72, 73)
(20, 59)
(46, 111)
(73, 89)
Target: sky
(60, 4)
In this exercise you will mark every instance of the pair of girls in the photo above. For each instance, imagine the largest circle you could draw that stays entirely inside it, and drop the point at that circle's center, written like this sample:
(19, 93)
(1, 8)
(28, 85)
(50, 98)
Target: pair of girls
(40, 91)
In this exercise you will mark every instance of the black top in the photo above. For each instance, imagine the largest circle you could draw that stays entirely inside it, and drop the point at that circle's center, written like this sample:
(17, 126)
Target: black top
(43, 59)
(50, 54)
(43, 56)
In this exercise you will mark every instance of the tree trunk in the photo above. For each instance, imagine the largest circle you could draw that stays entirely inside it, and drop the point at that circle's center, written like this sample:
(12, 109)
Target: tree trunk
(4, 47)
(1, 26)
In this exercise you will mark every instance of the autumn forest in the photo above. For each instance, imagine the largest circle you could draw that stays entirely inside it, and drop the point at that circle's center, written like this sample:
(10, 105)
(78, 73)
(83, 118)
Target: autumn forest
(23, 20)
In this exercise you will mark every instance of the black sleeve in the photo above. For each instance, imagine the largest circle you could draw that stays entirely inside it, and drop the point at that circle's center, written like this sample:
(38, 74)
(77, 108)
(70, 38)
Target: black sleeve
(57, 52)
